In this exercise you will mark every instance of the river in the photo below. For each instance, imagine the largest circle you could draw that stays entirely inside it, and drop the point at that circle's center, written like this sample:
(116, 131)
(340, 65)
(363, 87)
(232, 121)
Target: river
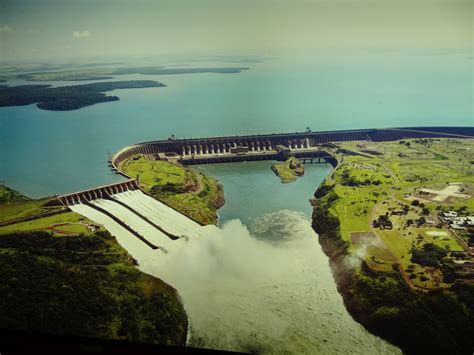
(266, 285)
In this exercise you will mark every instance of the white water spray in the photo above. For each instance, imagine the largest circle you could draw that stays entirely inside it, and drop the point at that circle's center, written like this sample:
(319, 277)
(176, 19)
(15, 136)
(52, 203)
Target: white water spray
(268, 291)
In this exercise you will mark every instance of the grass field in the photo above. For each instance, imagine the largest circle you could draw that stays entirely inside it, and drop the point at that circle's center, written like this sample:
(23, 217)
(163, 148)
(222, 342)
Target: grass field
(156, 172)
(9, 195)
(14, 206)
(387, 179)
(9, 211)
(289, 170)
(71, 220)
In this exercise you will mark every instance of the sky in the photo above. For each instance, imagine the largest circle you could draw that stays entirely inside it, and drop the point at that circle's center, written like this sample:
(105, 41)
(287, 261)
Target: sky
(73, 29)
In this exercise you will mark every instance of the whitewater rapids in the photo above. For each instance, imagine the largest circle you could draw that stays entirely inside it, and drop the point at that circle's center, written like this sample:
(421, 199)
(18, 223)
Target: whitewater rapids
(265, 288)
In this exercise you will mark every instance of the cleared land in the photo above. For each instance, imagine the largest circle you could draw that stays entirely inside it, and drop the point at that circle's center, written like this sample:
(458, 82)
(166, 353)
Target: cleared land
(416, 289)
(387, 185)
(184, 189)
(21, 209)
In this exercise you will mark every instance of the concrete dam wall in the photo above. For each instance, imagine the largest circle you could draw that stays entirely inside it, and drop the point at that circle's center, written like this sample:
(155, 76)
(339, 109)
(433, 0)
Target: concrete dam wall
(271, 146)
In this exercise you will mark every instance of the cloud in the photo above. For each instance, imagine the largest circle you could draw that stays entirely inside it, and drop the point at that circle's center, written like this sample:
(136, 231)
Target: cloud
(5, 28)
(81, 34)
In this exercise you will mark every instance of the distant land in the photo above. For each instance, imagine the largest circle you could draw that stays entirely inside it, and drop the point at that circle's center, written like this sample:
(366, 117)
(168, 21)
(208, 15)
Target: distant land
(67, 97)
(102, 74)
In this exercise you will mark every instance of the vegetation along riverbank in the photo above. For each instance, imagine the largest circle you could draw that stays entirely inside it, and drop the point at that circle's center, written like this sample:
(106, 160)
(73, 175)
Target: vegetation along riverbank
(395, 218)
(289, 170)
(64, 274)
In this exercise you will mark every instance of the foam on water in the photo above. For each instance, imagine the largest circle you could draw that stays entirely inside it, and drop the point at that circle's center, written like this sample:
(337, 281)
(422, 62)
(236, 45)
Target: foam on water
(269, 289)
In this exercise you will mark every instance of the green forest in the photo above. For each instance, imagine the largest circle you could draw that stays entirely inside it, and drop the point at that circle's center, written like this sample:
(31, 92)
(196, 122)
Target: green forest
(84, 285)
(67, 97)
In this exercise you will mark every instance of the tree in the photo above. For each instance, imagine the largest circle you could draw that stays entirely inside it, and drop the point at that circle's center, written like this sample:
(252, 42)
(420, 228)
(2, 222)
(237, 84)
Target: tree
(415, 203)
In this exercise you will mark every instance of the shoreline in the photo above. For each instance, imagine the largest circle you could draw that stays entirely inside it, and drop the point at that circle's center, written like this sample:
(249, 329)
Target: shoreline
(381, 300)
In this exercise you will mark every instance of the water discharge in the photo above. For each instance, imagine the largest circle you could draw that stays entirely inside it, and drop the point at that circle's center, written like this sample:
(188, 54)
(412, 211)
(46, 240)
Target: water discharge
(265, 288)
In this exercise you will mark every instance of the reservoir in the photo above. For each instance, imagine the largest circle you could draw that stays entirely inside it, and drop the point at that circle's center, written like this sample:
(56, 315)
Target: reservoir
(56, 152)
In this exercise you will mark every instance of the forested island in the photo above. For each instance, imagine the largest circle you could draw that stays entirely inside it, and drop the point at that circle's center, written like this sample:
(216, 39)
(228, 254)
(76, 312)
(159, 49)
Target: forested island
(108, 73)
(67, 97)
(396, 220)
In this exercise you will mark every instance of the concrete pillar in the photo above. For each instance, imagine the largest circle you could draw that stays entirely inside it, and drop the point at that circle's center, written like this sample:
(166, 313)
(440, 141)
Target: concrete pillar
(206, 149)
(258, 146)
(183, 151)
(269, 145)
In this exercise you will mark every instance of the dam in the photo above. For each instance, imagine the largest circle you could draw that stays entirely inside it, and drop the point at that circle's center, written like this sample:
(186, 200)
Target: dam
(157, 225)
(272, 146)
(238, 287)
(136, 215)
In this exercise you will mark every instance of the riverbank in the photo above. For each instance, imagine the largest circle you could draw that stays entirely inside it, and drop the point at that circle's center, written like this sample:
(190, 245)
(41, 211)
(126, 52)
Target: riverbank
(384, 286)
(64, 274)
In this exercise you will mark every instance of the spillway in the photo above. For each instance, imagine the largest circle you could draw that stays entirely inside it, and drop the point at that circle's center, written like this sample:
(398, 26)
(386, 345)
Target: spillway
(126, 239)
(164, 216)
(141, 208)
(240, 292)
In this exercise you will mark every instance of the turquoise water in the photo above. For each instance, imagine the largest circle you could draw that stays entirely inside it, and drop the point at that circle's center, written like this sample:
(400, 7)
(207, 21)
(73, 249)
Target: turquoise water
(46, 152)
(252, 189)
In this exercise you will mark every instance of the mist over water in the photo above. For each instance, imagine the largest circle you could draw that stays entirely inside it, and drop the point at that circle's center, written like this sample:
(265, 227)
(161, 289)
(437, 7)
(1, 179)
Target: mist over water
(261, 282)
(263, 285)
(265, 288)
